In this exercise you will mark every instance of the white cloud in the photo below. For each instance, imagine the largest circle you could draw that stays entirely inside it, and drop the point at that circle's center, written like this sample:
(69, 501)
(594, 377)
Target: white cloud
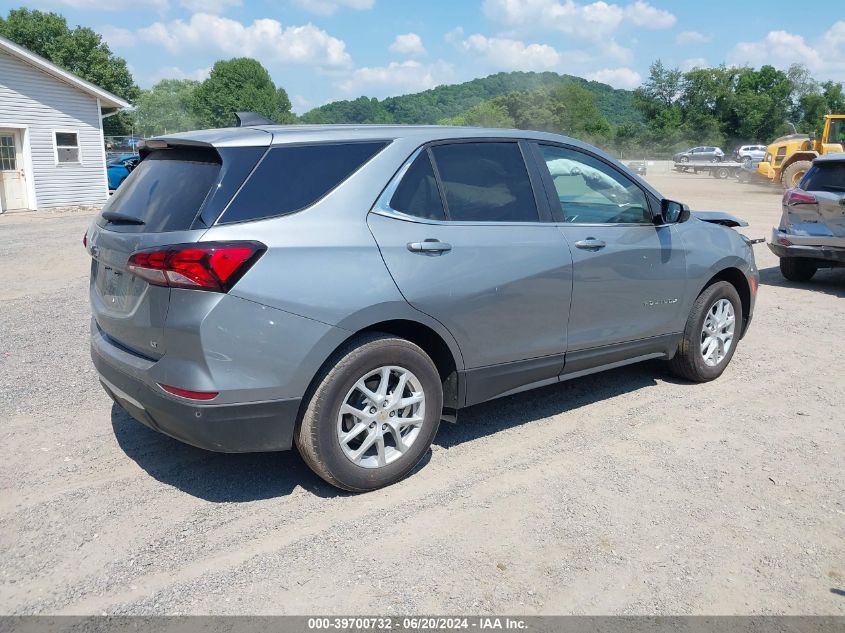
(778, 48)
(589, 20)
(99, 5)
(617, 77)
(264, 39)
(396, 78)
(508, 54)
(408, 44)
(117, 37)
(174, 72)
(209, 6)
(454, 36)
(597, 18)
(694, 62)
(692, 37)
(329, 7)
(612, 50)
(643, 14)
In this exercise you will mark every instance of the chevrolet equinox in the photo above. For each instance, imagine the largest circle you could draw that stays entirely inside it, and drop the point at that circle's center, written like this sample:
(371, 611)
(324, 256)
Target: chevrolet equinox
(344, 288)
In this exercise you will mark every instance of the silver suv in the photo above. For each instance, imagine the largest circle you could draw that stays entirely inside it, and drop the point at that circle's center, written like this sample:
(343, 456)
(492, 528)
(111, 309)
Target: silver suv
(346, 288)
(811, 233)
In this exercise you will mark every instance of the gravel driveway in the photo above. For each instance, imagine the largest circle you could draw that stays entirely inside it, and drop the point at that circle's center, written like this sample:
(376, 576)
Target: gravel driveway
(628, 492)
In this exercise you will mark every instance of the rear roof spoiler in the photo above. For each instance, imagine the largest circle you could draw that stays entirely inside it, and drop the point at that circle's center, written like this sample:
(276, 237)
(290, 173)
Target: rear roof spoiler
(245, 119)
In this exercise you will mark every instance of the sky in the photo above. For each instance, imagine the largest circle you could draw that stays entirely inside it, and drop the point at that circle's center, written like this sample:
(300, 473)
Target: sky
(323, 50)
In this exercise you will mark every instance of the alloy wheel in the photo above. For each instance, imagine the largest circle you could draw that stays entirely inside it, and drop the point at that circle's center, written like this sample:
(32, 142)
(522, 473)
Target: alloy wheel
(717, 333)
(381, 416)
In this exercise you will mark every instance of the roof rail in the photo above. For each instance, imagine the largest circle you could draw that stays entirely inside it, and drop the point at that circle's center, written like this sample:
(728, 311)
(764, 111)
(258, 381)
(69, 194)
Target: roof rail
(245, 119)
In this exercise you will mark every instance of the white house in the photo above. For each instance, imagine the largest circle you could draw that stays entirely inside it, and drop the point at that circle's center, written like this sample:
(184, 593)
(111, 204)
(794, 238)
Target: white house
(51, 134)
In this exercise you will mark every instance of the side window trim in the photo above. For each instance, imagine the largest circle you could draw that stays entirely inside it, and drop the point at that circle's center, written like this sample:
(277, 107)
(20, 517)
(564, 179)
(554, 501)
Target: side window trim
(382, 205)
(443, 199)
(548, 184)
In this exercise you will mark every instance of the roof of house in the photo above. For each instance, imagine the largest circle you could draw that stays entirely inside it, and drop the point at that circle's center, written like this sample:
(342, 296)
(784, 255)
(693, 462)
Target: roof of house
(107, 99)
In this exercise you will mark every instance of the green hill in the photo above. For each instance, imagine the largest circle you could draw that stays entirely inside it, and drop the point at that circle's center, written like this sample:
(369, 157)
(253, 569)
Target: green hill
(443, 102)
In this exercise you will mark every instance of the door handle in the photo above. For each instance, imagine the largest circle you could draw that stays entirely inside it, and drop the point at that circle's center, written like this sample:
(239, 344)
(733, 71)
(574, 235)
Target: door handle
(590, 244)
(429, 246)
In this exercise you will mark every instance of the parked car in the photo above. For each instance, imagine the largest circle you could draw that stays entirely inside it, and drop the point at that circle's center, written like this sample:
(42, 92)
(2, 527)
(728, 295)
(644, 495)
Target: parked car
(811, 233)
(749, 153)
(701, 154)
(639, 167)
(248, 294)
(119, 167)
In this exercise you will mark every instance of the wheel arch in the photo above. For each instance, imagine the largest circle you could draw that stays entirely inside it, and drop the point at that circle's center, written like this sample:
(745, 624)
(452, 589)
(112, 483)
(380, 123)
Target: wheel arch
(446, 358)
(794, 157)
(738, 280)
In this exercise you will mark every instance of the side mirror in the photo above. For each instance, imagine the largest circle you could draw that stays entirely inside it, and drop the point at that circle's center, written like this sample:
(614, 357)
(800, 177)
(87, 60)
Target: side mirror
(672, 212)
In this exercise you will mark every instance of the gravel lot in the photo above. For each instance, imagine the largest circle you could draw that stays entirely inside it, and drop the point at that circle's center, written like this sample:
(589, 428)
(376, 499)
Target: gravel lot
(628, 492)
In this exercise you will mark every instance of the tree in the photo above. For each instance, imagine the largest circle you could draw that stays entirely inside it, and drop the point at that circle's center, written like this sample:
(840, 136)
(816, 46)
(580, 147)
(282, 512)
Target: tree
(236, 85)
(485, 114)
(167, 107)
(79, 50)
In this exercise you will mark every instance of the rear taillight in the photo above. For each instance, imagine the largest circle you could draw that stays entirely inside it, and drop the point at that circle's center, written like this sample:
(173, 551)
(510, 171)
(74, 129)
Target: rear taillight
(798, 196)
(190, 395)
(215, 266)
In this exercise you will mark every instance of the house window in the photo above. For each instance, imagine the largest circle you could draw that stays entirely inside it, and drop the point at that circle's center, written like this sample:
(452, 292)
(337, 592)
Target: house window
(67, 147)
(7, 153)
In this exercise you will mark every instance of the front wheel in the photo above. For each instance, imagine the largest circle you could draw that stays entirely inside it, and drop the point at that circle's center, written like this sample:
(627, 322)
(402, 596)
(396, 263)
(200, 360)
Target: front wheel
(797, 268)
(793, 174)
(372, 415)
(711, 333)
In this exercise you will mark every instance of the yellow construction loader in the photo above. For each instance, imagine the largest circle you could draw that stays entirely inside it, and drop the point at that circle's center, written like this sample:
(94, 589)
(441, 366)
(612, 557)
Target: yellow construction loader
(789, 157)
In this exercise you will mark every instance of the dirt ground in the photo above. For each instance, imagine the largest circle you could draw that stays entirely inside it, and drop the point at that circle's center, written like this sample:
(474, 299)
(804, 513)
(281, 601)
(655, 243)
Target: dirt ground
(628, 492)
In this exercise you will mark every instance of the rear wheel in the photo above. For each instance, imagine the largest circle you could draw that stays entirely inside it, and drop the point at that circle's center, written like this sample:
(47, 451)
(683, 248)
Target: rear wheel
(711, 333)
(372, 415)
(793, 174)
(684, 159)
(723, 173)
(798, 268)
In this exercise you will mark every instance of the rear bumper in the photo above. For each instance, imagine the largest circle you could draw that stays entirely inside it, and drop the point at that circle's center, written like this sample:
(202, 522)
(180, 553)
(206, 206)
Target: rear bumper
(229, 428)
(832, 254)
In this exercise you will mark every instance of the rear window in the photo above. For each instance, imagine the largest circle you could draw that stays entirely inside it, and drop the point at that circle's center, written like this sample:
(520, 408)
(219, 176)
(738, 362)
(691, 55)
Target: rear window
(167, 189)
(289, 179)
(825, 177)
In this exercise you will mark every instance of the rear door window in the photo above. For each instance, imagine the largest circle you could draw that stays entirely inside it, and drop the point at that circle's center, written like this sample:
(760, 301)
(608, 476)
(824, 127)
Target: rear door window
(485, 182)
(167, 189)
(418, 194)
(292, 178)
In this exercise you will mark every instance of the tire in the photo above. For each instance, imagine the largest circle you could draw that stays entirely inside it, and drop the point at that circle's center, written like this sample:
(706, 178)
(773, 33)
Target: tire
(746, 160)
(723, 173)
(318, 434)
(797, 268)
(689, 361)
(792, 175)
(684, 159)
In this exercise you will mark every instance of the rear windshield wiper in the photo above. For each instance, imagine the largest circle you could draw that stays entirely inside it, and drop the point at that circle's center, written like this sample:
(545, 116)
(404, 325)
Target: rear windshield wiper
(116, 217)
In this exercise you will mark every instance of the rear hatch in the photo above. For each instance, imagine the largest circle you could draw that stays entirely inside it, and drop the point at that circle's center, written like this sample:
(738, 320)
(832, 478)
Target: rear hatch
(820, 212)
(173, 196)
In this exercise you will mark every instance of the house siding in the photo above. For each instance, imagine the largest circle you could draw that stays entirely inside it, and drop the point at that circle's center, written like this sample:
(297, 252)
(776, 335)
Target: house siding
(44, 103)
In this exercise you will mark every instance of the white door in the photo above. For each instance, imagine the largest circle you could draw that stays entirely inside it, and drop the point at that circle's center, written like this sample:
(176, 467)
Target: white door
(12, 183)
